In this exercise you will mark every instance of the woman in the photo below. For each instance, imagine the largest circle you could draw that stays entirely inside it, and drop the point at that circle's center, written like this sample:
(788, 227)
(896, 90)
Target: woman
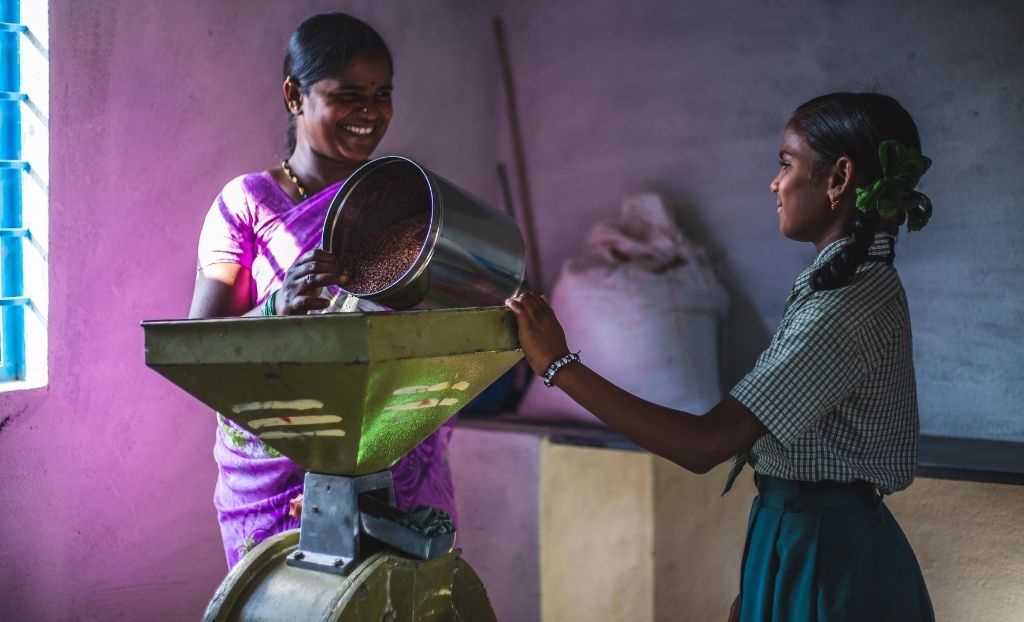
(828, 416)
(258, 255)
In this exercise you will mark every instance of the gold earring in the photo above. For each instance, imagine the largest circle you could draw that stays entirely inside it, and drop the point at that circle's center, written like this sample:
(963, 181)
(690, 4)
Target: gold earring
(834, 202)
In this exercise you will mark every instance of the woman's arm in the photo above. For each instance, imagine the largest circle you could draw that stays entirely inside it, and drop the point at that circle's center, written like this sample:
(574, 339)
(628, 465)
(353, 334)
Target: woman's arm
(222, 290)
(696, 443)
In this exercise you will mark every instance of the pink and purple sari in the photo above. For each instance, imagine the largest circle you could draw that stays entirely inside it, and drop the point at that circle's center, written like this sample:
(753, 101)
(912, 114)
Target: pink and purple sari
(253, 223)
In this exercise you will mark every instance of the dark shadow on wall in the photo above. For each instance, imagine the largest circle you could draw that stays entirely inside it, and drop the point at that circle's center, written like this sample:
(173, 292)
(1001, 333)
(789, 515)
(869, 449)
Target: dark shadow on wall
(742, 334)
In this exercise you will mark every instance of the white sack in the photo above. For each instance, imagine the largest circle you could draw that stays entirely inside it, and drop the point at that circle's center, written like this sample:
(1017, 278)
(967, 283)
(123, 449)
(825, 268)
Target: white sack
(643, 306)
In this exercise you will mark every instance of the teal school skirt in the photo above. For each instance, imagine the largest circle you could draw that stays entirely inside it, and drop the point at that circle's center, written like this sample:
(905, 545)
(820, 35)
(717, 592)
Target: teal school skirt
(828, 552)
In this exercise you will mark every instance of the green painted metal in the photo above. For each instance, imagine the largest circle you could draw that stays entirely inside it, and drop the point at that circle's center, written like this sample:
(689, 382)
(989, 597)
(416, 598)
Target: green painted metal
(384, 587)
(343, 394)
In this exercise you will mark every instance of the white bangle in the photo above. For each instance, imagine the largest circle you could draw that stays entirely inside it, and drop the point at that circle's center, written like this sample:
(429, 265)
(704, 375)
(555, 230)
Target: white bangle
(554, 368)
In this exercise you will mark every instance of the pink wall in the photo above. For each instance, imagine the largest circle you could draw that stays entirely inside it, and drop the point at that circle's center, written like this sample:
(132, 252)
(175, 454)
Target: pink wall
(107, 473)
(497, 478)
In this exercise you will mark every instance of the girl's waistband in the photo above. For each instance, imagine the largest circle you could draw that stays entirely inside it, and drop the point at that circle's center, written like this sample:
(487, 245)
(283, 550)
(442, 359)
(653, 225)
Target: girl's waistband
(785, 494)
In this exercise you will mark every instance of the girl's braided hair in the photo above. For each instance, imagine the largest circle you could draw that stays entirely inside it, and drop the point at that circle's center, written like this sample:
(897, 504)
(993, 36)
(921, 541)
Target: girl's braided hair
(881, 139)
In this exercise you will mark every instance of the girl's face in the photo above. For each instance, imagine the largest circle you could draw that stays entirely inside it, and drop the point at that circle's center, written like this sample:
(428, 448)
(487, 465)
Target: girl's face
(801, 194)
(344, 117)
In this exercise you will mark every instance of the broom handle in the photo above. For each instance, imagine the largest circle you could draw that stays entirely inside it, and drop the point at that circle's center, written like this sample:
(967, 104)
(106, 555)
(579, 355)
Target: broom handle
(520, 159)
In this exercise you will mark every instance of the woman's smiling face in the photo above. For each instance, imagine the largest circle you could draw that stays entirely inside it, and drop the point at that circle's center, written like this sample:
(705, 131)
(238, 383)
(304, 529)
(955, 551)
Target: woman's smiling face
(801, 192)
(345, 116)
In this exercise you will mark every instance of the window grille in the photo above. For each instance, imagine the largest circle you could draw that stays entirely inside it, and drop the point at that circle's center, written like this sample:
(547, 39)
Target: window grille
(24, 188)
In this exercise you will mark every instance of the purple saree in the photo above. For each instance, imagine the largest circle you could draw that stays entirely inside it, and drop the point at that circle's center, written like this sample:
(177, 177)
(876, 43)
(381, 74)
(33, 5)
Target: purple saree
(254, 224)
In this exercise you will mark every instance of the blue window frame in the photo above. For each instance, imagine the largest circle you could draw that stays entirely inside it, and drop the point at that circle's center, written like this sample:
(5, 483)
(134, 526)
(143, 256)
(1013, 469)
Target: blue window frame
(22, 240)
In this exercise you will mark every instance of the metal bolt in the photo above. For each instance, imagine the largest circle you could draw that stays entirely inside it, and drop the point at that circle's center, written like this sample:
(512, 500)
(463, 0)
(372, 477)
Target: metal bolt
(316, 508)
(338, 562)
(299, 555)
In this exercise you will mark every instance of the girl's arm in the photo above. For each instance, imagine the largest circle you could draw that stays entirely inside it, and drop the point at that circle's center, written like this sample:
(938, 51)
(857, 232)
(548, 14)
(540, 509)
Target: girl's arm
(696, 443)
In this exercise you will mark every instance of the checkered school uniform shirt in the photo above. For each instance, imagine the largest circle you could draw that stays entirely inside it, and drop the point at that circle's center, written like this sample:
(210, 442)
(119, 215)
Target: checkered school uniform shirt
(835, 388)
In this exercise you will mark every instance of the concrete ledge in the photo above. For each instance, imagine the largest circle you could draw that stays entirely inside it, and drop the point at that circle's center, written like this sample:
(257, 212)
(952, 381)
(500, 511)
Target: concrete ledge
(964, 459)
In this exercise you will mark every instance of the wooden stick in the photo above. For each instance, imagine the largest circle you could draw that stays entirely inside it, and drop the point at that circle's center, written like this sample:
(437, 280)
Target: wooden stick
(520, 159)
(506, 192)
(506, 197)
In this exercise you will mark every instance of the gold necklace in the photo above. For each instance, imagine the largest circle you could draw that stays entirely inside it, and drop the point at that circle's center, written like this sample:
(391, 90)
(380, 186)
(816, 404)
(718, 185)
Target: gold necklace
(295, 180)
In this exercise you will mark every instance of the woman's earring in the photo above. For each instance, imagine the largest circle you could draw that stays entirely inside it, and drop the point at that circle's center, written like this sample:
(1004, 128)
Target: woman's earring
(834, 202)
(294, 107)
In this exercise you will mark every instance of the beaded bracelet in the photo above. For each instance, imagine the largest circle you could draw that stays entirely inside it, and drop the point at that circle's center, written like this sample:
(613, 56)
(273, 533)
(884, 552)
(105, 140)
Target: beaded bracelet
(269, 306)
(554, 368)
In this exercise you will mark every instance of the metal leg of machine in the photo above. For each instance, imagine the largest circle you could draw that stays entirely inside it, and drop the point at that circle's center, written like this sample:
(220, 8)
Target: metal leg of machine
(350, 560)
(344, 519)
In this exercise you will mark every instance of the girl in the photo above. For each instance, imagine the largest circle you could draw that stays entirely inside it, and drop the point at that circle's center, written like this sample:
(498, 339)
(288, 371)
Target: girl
(337, 91)
(828, 416)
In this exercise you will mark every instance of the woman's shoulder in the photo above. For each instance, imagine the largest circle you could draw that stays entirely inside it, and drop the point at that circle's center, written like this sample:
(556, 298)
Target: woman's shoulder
(249, 187)
(252, 197)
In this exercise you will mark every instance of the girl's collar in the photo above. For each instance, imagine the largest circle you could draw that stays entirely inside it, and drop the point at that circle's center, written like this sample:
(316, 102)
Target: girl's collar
(882, 245)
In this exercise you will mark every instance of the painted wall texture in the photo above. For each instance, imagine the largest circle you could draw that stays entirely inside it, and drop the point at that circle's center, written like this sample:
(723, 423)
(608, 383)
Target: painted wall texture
(497, 479)
(107, 474)
(690, 99)
(597, 535)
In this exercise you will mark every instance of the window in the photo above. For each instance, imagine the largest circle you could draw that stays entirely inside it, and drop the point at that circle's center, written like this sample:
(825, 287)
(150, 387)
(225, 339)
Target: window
(24, 184)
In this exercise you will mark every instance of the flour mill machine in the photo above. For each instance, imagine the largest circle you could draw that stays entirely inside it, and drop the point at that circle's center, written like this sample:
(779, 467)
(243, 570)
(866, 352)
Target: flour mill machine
(346, 395)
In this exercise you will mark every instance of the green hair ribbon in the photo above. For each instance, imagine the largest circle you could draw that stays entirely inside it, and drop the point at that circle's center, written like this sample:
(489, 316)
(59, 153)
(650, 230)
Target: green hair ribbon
(893, 195)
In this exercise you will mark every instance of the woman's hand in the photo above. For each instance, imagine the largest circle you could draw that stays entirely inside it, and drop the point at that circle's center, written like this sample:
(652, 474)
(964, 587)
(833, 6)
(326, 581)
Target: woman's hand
(540, 334)
(304, 282)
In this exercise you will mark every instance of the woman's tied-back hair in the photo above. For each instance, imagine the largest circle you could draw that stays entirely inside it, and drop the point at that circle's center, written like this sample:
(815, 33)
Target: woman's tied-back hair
(855, 125)
(321, 47)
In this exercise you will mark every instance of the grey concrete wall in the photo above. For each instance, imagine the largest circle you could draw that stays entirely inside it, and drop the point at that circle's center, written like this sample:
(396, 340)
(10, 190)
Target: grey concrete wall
(690, 98)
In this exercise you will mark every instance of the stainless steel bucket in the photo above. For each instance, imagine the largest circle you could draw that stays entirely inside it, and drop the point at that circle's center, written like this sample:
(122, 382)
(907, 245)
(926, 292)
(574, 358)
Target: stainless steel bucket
(472, 255)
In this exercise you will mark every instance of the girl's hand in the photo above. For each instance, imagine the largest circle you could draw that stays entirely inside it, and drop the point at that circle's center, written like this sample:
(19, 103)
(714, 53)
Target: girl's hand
(540, 334)
(305, 280)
